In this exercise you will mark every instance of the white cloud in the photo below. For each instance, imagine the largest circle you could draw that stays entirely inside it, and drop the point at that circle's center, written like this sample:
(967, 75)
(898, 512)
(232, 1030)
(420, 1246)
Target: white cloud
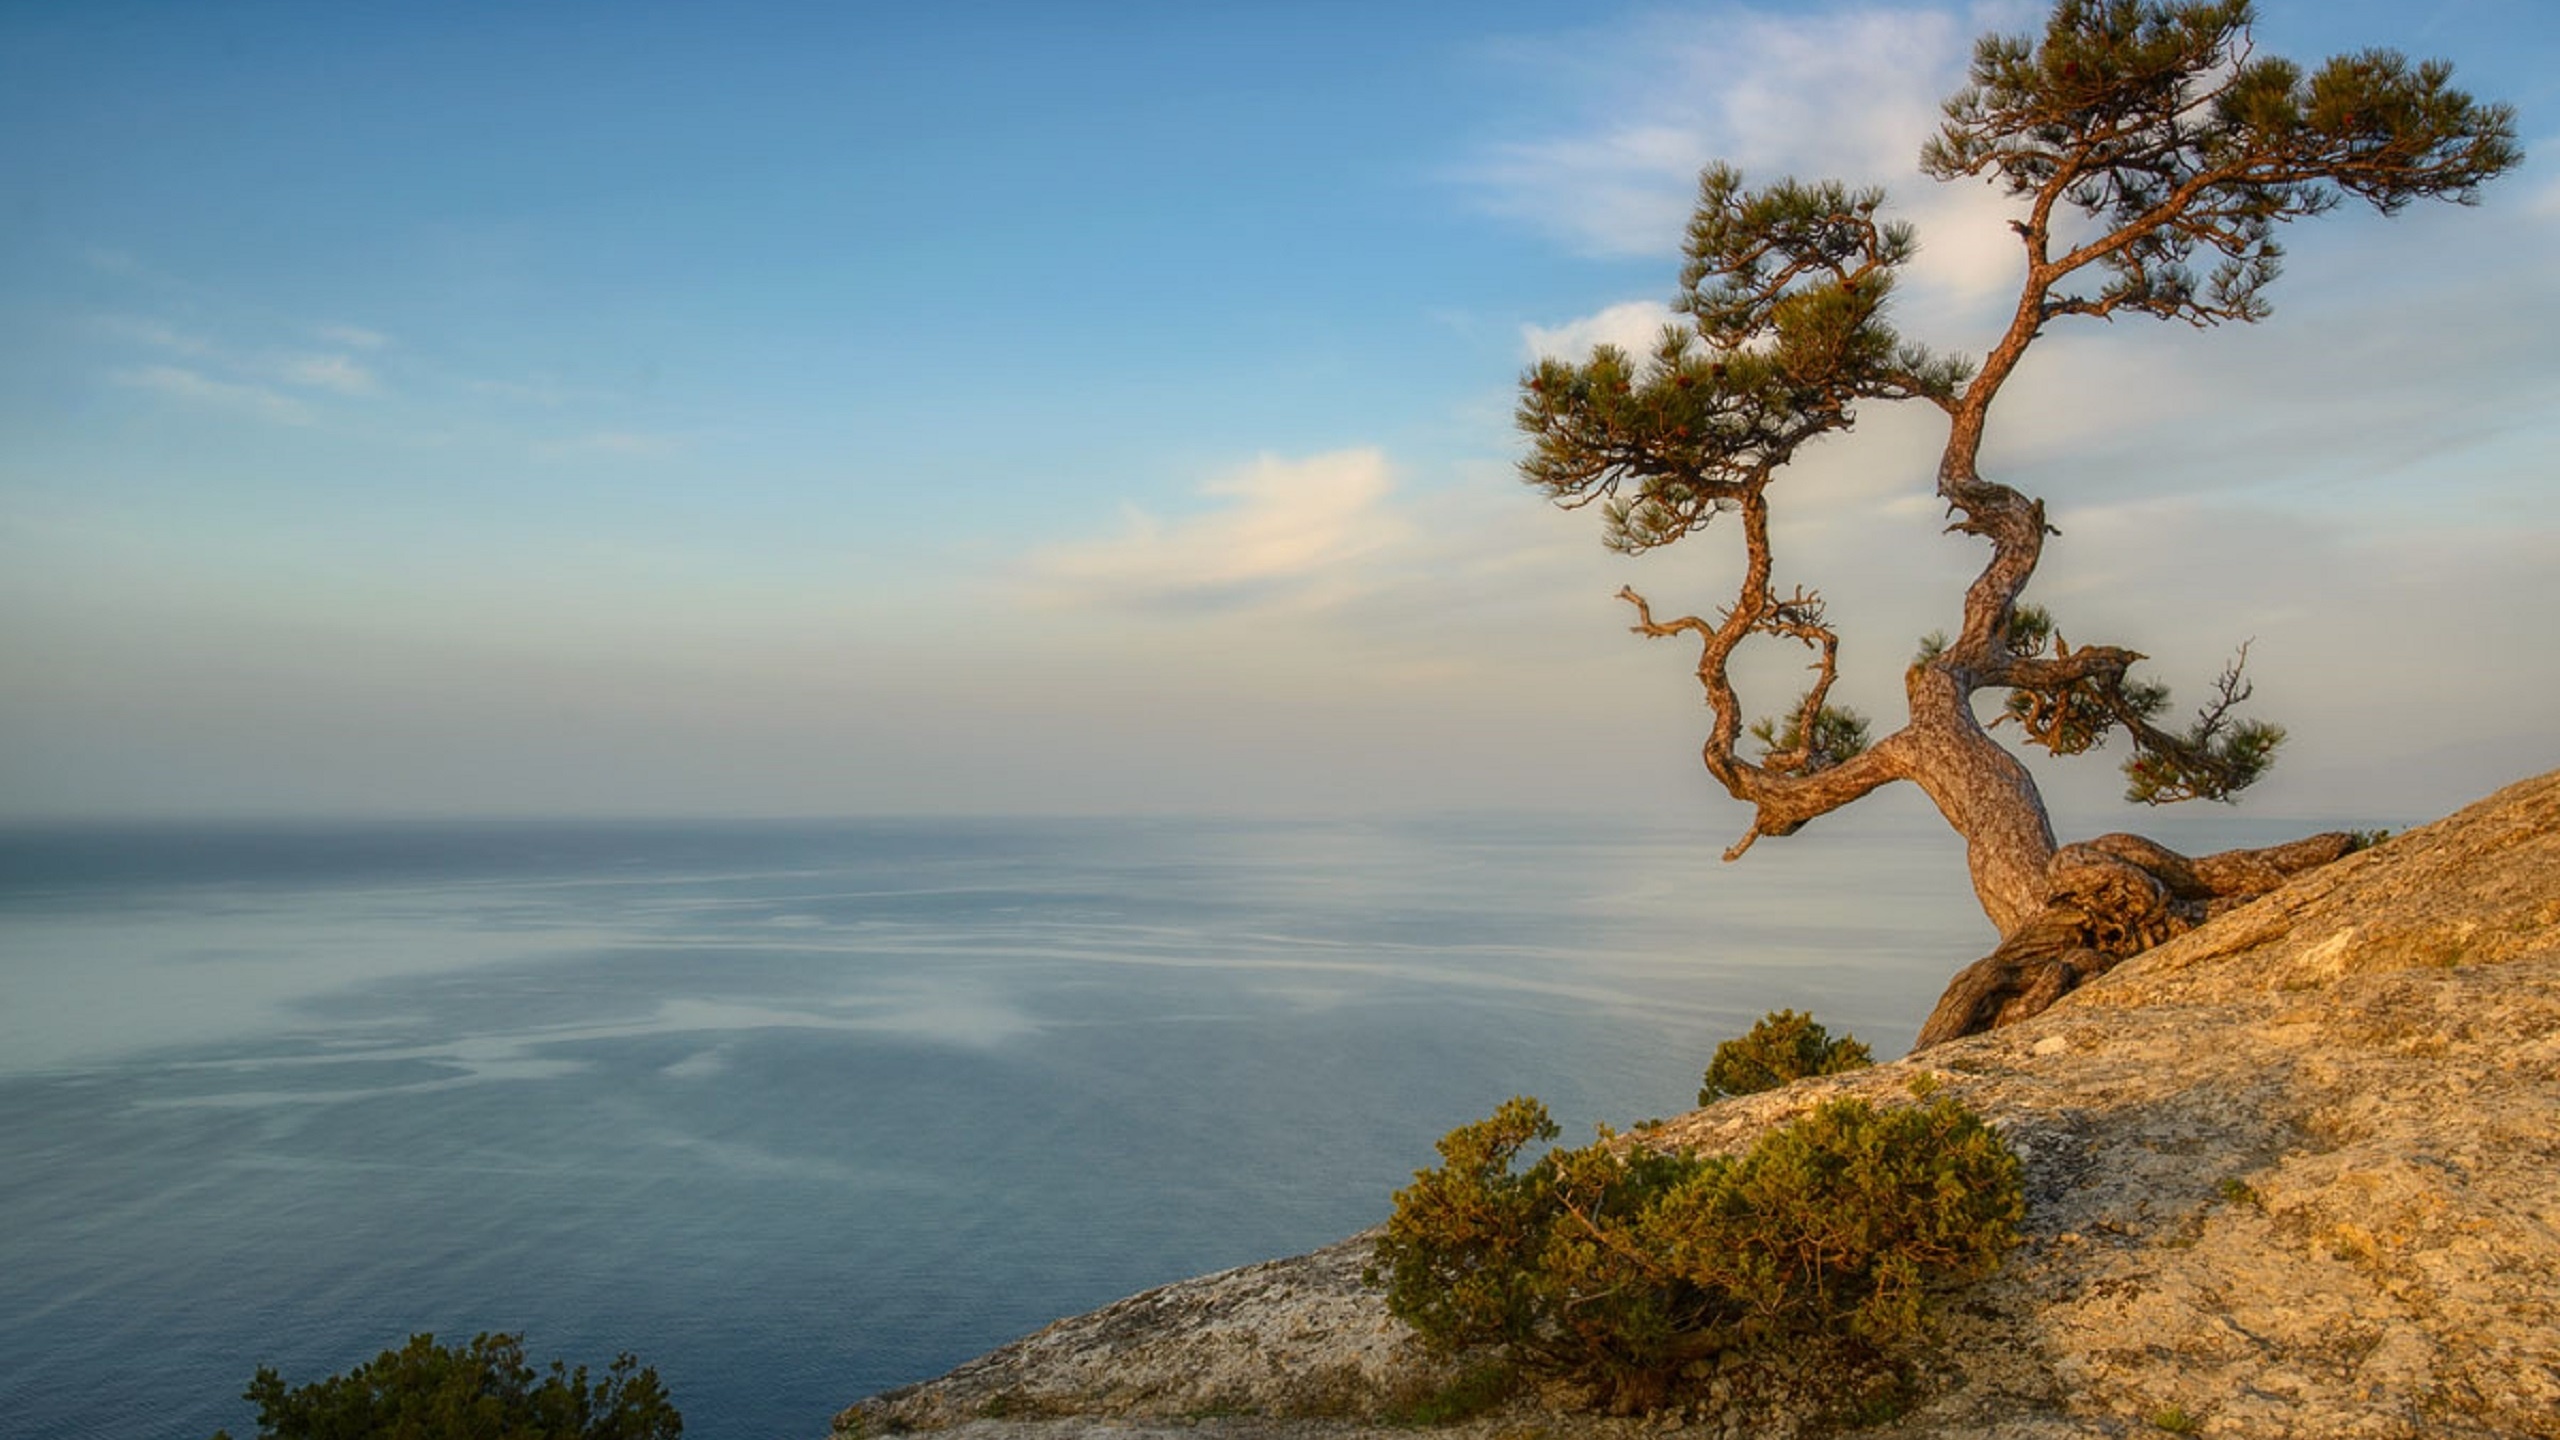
(228, 373)
(2546, 200)
(549, 394)
(632, 444)
(1852, 94)
(1849, 95)
(1632, 327)
(1623, 193)
(1288, 533)
(1968, 253)
(197, 388)
(340, 373)
(354, 337)
(154, 333)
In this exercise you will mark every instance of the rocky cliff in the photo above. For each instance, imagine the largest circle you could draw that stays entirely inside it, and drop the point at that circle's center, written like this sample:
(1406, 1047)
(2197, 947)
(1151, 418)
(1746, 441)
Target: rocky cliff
(2296, 1173)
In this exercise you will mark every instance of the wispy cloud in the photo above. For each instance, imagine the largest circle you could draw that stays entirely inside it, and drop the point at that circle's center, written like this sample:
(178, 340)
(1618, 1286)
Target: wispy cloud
(240, 376)
(239, 355)
(196, 388)
(2544, 201)
(1632, 327)
(354, 337)
(158, 335)
(1623, 192)
(1285, 533)
(540, 390)
(633, 444)
(343, 374)
(1849, 94)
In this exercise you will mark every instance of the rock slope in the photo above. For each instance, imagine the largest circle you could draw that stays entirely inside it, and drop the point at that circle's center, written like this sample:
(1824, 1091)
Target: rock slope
(2296, 1173)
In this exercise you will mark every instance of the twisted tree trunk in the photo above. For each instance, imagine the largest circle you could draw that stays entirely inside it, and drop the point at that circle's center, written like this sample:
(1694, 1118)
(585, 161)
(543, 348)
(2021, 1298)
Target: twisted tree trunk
(1986, 794)
(2107, 899)
(2066, 914)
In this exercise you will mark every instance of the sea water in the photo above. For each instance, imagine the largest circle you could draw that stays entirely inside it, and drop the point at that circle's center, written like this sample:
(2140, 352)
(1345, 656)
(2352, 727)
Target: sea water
(799, 1111)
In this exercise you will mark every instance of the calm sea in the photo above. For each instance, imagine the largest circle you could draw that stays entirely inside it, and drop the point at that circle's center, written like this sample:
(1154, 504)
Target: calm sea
(798, 1112)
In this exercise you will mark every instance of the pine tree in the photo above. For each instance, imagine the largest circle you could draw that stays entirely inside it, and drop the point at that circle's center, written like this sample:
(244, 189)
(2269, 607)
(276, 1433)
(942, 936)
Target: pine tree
(2154, 153)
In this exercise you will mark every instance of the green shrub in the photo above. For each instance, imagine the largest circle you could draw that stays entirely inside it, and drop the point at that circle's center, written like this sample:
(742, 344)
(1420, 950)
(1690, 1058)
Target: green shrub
(483, 1391)
(1620, 1267)
(1783, 1047)
(1474, 1391)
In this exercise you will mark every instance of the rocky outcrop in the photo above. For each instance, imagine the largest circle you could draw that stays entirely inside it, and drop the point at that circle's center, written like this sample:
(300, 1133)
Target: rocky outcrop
(2294, 1173)
(1301, 1338)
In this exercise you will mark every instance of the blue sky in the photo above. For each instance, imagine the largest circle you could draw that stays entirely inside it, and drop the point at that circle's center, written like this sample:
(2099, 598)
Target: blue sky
(757, 409)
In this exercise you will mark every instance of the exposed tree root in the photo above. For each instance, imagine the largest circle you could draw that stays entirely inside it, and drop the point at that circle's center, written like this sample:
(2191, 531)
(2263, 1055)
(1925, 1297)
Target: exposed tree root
(2106, 900)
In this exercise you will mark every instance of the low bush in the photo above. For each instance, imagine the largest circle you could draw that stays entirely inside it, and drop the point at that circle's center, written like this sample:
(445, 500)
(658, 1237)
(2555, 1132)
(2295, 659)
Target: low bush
(1473, 1391)
(1783, 1047)
(482, 1391)
(1621, 1267)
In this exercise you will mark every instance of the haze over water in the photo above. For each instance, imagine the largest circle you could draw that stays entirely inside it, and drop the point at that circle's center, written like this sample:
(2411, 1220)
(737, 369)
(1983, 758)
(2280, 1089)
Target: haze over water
(801, 1111)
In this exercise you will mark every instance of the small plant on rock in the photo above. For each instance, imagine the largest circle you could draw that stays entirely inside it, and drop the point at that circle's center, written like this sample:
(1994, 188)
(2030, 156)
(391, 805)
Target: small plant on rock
(1621, 1267)
(1783, 1047)
(2174, 1420)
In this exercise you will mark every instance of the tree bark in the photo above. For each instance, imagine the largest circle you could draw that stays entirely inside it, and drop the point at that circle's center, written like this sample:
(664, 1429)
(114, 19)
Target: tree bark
(1984, 792)
(2105, 900)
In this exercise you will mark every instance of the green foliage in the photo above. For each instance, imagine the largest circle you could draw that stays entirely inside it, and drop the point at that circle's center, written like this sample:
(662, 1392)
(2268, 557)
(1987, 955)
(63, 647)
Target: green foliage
(482, 1391)
(2214, 758)
(1782, 1048)
(1621, 1267)
(2030, 629)
(2169, 131)
(2071, 718)
(1439, 1258)
(1477, 1389)
(1838, 733)
(1785, 289)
